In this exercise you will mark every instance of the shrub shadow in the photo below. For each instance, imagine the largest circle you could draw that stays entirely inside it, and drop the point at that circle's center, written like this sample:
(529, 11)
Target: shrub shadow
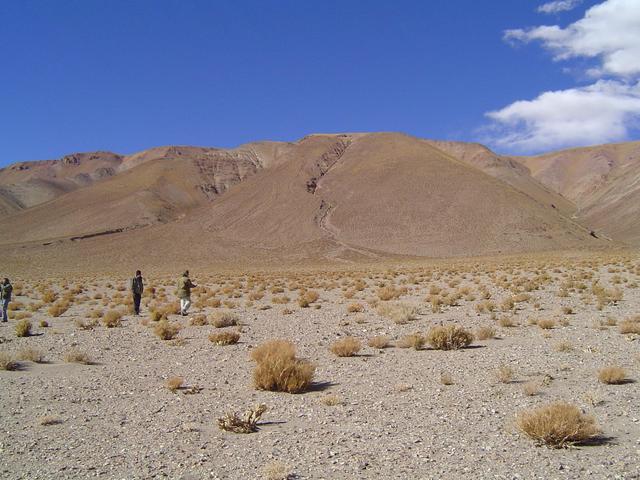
(320, 386)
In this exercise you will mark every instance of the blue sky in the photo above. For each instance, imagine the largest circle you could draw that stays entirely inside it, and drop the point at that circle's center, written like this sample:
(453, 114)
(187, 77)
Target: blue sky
(128, 75)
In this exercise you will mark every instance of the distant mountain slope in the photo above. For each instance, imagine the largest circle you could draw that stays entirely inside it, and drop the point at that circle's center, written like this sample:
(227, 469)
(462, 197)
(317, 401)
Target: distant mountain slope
(25, 184)
(326, 196)
(603, 182)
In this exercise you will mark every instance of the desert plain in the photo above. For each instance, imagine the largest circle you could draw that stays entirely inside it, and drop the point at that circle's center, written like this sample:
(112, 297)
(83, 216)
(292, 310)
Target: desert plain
(93, 391)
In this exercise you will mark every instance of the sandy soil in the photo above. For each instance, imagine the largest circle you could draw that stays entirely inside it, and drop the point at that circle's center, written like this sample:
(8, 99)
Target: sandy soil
(117, 419)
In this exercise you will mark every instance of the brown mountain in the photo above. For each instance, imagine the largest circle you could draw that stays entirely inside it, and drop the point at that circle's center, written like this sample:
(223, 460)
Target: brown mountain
(603, 182)
(339, 197)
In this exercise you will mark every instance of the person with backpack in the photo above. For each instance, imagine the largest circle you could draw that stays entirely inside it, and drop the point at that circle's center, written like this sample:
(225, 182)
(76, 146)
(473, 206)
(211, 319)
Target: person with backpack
(137, 287)
(6, 289)
(184, 292)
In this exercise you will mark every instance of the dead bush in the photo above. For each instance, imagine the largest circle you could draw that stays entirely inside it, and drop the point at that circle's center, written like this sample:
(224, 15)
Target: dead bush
(332, 400)
(400, 313)
(355, 308)
(279, 370)
(31, 354)
(166, 330)
(631, 325)
(346, 347)
(446, 379)
(504, 374)
(77, 356)
(58, 308)
(388, 293)
(485, 333)
(530, 389)
(613, 375)
(224, 338)
(23, 328)
(506, 322)
(414, 340)
(198, 320)
(546, 323)
(225, 319)
(557, 425)
(7, 362)
(277, 470)
(379, 341)
(175, 383)
(112, 319)
(232, 422)
(449, 337)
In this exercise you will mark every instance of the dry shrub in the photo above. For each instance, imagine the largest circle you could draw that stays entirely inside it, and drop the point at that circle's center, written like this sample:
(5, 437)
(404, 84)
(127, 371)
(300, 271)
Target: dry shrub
(446, 379)
(631, 325)
(44, 324)
(563, 347)
(175, 383)
(166, 330)
(400, 313)
(504, 374)
(225, 319)
(232, 422)
(346, 347)
(112, 319)
(49, 420)
(332, 400)
(31, 354)
(58, 308)
(76, 356)
(7, 362)
(414, 340)
(379, 341)
(531, 388)
(485, 332)
(506, 322)
(158, 314)
(449, 337)
(277, 470)
(279, 348)
(546, 323)
(49, 297)
(198, 320)
(613, 375)
(557, 425)
(279, 300)
(355, 308)
(308, 298)
(567, 310)
(23, 328)
(278, 368)
(224, 338)
(254, 296)
(86, 325)
(388, 293)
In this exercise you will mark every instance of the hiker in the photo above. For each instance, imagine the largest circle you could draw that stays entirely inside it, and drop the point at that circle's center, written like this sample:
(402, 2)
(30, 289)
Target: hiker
(184, 292)
(137, 287)
(5, 294)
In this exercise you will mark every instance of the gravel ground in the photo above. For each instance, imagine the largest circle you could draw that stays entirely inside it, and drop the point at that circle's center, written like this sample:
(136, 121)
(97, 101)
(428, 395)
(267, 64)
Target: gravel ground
(116, 418)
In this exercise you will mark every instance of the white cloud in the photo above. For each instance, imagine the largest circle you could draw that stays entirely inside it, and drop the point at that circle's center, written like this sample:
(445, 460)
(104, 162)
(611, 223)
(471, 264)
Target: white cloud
(558, 6)
(606, 111)
(609, 32)
(599, 113)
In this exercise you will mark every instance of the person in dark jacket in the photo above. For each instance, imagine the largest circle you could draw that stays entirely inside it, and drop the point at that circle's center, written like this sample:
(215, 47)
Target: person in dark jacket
(137, 287)
(184, 292)
(6, 289)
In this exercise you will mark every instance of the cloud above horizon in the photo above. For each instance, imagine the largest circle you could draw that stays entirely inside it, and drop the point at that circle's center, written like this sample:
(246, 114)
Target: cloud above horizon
(558, 6)
(605, 111)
